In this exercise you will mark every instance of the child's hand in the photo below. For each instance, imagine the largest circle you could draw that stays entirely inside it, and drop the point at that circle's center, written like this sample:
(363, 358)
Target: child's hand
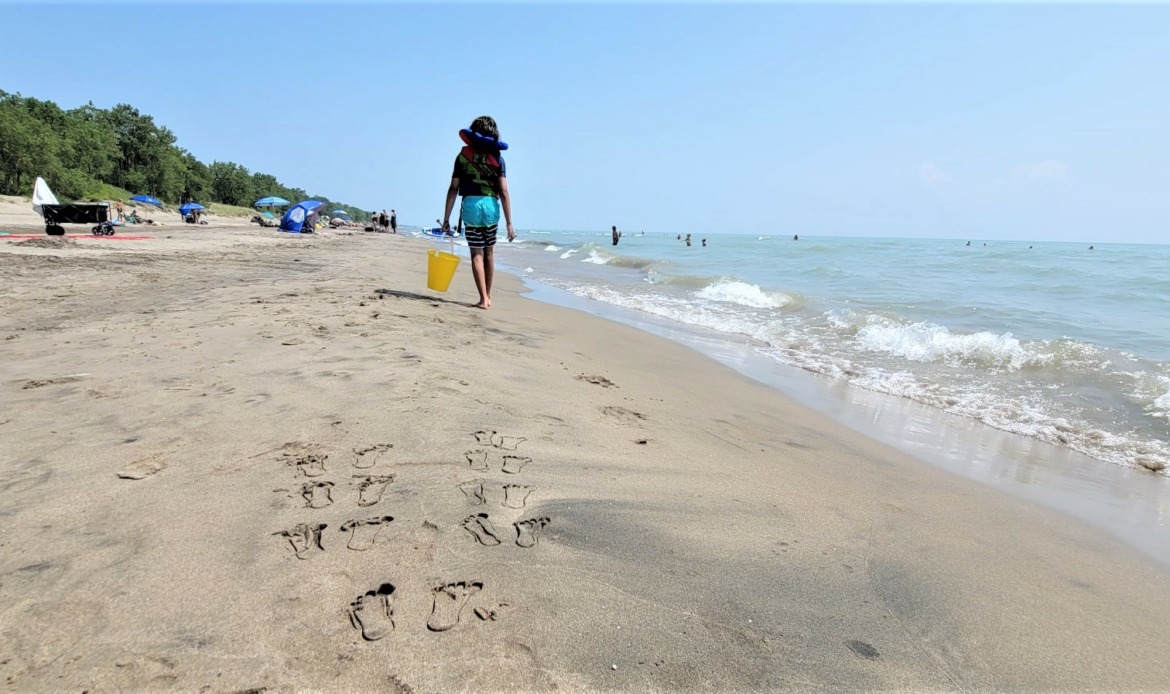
(511, 233)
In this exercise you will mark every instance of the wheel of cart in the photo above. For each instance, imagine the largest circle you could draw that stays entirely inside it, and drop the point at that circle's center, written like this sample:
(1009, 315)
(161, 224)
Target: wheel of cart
(103, 229)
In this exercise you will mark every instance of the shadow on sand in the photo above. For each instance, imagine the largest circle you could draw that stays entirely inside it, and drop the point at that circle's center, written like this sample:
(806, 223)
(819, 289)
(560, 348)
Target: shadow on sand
(401, 294)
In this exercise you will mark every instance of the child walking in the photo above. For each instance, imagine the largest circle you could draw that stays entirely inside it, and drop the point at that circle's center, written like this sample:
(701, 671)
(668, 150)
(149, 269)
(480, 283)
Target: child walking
(480, 178)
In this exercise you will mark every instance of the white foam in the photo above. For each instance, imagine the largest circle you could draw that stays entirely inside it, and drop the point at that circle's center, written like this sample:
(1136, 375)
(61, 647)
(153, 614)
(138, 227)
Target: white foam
(926, 342)
(568, 253)
(596, 258)
(551, 247)
(742, 293)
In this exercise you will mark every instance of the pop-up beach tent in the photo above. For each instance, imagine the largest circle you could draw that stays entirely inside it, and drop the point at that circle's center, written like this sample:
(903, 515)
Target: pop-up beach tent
(299, 216)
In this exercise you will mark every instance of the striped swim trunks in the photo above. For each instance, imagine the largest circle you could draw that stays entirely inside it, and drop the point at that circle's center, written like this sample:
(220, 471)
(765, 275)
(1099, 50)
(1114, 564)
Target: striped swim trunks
(481, 237)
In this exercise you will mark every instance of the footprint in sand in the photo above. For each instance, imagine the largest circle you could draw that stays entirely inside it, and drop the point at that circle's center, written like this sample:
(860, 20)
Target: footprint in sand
(449, 603)
(473, 490)
(528, 531)
(305, 539)
(515, 495)
(477, 460)
(863, 650)
(317, 494)
(310, 465)
(371, 488)
(482, 529)
(367, 456)
(515, 463)
(623, 415)
(372, 612)
(364, 532)
(487, 437)
(508, 443)
(597, 380)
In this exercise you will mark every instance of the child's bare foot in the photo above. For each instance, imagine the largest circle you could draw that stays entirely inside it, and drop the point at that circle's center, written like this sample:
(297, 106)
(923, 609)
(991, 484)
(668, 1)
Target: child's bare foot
(481, 304)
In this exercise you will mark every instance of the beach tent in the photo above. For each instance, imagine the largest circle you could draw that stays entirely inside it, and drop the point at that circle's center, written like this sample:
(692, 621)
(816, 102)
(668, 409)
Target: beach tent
(147, 200)
(299, 216)
(42, 196)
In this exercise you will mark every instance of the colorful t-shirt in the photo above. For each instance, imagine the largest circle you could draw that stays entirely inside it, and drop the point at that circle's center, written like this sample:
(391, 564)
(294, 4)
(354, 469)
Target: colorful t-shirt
(479, 172)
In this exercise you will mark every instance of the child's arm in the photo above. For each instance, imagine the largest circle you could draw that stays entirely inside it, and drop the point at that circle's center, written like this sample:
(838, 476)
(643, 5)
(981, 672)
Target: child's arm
(506, 201)
(452, 193)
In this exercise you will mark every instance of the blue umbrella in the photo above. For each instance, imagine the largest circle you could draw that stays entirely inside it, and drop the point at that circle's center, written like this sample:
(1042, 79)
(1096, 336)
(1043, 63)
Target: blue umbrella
(271, 201)
(340, 212)
(147, 199)
(189, 207)
(310, 204)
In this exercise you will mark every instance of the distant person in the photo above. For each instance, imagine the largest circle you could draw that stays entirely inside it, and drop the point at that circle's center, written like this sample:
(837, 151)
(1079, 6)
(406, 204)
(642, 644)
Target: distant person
(480, 178)
(688, 239)
(678, 238)
(969, 243)
(616, 236)
(704, 243)
(796, 237)
(1090, 248)
(393, 222)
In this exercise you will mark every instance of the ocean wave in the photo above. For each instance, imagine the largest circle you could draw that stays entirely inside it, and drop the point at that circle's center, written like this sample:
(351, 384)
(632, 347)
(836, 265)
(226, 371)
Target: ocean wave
(602, 258)
(742, 293)
(551, 247)
(569, 253)
(926, 342)
(1023, 415)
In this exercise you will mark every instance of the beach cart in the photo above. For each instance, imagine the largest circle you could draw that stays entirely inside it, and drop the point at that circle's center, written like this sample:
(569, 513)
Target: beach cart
(97, 214)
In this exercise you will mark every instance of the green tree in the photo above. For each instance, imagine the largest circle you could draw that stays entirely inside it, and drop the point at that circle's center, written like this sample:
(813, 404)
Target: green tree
(28, 147)
(231, 183)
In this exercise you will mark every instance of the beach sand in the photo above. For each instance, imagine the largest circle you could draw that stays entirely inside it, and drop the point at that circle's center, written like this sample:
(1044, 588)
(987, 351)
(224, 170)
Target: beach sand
(230, 453)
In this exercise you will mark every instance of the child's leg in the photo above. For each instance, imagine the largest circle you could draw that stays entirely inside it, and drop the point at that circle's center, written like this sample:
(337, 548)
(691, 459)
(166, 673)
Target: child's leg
(477, 271)
(489, 269)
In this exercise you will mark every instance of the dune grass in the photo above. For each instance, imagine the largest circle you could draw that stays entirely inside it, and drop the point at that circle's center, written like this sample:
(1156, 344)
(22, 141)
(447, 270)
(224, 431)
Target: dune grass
(223, 210)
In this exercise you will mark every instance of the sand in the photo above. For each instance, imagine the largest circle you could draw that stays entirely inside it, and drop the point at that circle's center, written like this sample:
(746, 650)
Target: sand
(239, 460)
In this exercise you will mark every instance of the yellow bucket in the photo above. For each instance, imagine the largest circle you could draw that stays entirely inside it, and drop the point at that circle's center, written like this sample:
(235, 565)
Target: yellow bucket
(440, 269)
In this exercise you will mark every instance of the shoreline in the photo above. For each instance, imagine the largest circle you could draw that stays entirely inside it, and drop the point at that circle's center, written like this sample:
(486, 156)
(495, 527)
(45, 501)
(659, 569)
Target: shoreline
(181, 406)
(1127, 502)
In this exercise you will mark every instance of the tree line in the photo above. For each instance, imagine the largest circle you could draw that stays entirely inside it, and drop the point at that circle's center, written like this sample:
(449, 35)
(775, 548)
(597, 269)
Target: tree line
(85, 150)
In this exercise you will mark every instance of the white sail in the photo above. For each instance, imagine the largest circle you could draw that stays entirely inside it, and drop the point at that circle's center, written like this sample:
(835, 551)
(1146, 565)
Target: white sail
(42, 196)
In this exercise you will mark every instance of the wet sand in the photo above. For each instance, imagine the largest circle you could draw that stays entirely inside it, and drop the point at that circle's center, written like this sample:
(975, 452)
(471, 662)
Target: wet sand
(240, 459)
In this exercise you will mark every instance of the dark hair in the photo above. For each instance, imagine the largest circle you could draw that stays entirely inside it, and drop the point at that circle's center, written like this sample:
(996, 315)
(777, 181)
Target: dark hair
(486, 126)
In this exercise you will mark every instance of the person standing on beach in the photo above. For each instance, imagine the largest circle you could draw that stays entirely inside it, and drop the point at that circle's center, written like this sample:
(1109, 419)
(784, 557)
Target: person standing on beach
(393, 222)
(616, 236)
(480, 178)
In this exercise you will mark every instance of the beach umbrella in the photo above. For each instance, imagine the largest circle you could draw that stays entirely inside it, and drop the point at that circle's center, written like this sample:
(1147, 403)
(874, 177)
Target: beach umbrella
(188, 208)
(147, 199)
(340, 212)
(271, 201)
(268, 215)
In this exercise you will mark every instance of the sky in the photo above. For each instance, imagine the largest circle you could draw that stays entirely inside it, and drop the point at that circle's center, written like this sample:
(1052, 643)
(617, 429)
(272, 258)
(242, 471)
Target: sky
(997, 121)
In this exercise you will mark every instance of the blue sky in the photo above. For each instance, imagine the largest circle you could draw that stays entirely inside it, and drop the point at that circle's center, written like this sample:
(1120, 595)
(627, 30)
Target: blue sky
(1030, 122)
